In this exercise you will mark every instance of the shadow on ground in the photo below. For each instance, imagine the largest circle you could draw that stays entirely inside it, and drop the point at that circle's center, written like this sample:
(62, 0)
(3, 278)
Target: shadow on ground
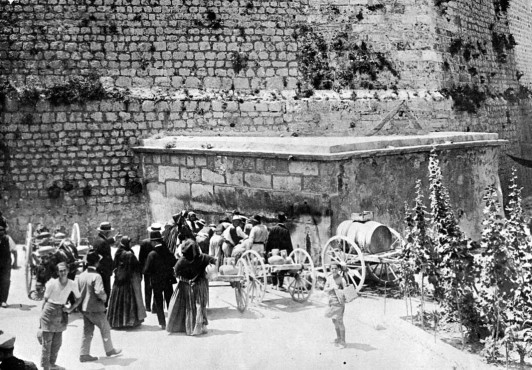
(115, 361)
(217, 313)
(20, 306)
(361, 346)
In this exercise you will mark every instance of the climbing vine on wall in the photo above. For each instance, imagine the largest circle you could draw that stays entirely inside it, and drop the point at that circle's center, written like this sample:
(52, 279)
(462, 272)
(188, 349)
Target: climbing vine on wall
(76, 89)
(335, 60)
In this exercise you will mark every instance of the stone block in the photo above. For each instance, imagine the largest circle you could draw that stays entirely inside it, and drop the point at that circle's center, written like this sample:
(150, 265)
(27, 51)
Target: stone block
(290, 183)
(235, 178)
(202, 196)
(178, 189)
(256, 180)
(275, 166)
(225, 197)
(212, 177)
(190, 174)
(156, 192)
(303, 168)
(325, 185)
(168, 172)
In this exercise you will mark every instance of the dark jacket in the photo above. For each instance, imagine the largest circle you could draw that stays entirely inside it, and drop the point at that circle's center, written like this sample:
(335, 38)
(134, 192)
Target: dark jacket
(146, 246)
(279, 238)
(102, 246)
(5, 253)
(159, 265)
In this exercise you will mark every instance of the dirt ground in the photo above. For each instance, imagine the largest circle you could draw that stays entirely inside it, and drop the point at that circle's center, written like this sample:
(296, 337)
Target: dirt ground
(278, 333)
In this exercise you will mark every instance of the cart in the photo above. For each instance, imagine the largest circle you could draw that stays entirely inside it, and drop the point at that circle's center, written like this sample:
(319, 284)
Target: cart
(364, 248)
(38, 250)
(251, 281)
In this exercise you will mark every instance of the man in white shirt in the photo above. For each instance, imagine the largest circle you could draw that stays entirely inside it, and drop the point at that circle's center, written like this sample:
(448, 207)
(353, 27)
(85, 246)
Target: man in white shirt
(233, 235)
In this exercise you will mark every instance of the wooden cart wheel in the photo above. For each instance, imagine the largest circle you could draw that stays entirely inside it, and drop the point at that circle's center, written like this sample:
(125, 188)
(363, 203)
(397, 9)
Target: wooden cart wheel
(241, 297)
(76, 236)
(386, 272)
(252, 267)
(339, 249)
(304, 280)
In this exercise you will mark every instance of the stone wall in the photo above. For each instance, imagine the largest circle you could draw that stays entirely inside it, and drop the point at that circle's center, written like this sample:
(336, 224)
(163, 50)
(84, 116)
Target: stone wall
(234, 68)
(316, 192)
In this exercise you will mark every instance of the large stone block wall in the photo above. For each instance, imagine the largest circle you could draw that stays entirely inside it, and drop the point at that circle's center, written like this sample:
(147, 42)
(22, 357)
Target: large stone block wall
(167, 43)
(317, 195)
(182, 45)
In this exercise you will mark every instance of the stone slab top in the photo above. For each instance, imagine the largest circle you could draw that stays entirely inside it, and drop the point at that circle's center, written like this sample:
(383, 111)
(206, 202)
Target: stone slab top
(315, 147)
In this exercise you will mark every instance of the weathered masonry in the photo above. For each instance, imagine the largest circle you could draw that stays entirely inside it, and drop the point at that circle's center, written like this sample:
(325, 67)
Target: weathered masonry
(317, 181)
(81, 82)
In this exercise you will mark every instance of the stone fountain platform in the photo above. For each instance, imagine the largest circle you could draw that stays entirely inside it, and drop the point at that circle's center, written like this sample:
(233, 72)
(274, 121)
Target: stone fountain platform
(314, 147)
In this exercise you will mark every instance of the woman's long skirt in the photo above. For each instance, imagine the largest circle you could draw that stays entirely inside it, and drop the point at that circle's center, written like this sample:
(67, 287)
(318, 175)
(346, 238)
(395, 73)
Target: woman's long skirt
(126, 309)
(188, 308)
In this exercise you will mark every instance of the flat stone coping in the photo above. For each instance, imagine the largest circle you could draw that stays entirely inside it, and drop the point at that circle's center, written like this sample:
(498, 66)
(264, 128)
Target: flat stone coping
(315, 147)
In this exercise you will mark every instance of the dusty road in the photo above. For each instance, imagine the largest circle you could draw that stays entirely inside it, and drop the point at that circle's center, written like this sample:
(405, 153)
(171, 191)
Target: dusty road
(276, 334)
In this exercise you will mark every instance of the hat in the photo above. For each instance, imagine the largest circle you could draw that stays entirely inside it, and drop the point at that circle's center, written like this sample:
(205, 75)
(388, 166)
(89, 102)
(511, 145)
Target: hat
(225, 219)
(236, 218)
(155, 235)
(190, 214)
(105, 226)
(256, 218)
(93, 257)
(59, 236)
(155, 227)
(6, 341)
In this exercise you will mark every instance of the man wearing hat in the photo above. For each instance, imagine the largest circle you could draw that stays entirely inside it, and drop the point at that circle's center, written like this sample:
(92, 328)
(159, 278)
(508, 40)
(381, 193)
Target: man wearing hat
(93, 300)
(159, 270)
(279, 238)
(258, 235)
(5, 267)
(7, 360)
(102, 245)
(233, 235)
(146, 246)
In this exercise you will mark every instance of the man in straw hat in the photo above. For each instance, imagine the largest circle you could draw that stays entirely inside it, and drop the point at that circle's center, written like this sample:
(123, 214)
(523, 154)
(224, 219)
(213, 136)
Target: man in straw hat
(7, 360)
(102, 245)
(159, 269)
(93, 299)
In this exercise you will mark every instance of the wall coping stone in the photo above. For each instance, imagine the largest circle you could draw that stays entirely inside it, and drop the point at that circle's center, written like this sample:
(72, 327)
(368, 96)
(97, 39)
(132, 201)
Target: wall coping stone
(316, 148)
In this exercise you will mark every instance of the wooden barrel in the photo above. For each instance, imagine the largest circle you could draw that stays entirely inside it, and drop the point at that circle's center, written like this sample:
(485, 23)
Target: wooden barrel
(370, 236)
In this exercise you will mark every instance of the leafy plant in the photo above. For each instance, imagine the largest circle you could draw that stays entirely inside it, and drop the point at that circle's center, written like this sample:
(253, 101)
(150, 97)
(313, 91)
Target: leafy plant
(76, 89)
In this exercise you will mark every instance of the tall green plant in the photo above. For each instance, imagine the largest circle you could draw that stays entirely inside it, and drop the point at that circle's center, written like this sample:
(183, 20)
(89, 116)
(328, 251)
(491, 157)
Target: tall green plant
(453, 259)
(518, 333)
(495, 271)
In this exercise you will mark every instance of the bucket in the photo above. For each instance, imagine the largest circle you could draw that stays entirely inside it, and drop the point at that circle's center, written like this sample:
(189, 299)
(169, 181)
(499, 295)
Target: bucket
(371, 236)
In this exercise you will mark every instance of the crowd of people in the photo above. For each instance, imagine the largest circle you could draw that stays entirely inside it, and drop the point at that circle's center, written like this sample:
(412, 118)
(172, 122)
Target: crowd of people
(178, 252)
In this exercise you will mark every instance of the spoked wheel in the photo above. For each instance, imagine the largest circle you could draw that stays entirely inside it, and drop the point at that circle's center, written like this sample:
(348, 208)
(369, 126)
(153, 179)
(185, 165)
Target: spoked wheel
(342, 251)
(76, 236)
(28, 268)
(386, 270)
(252, 267)
(304, 280)
(241, 297)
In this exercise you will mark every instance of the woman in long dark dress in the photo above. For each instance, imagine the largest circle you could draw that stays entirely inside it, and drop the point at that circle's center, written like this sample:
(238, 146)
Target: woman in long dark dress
(126, 308)
(188, 307)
